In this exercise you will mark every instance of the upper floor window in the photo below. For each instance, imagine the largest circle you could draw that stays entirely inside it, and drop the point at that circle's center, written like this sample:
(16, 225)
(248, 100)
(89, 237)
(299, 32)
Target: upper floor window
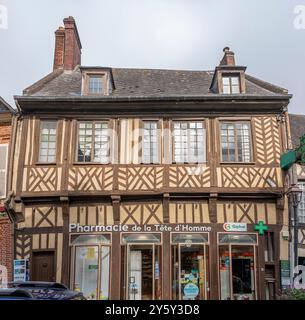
(189, 142)
(236, 141)
(93, 142)
(150, 145)
(302, 203)
(95, 84)
(3, 169)
(47, 147)
(230, 84)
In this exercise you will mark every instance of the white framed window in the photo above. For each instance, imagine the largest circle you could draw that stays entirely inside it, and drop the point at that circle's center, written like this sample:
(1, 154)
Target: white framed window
(189, 143)
(47, 144)
(301, 209)
(93, 142)
(236, 141)
(230, 84)
(95, 85)
(150, 145)
(3, 169)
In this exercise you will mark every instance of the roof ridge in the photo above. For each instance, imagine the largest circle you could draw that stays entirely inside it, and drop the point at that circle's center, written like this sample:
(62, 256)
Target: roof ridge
(141, 69)
(266, 85)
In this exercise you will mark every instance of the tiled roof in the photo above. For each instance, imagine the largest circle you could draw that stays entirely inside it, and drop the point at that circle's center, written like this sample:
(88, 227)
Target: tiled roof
(5, 107)
(145, 83)
(297, 126)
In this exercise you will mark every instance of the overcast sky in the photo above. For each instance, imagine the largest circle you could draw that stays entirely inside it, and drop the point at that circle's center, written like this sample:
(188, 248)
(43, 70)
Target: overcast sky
(169, 34)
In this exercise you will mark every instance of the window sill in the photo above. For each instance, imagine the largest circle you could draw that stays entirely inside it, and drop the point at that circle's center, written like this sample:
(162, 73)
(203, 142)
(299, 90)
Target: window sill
(189, 163)
(45, 163)
(91, 164)
(238, 163)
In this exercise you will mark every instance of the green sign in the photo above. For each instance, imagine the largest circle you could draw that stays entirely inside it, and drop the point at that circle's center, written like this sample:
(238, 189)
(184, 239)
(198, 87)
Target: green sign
(294, 156)
(93, 267)
(288, 159)
(261, 228)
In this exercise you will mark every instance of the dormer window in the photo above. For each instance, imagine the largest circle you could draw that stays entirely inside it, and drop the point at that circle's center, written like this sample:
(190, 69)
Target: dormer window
(231, 84)
(228, 78)
(96, 81)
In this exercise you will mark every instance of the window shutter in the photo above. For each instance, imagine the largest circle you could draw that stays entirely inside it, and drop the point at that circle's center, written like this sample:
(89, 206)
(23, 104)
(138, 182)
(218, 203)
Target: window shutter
(3, 169)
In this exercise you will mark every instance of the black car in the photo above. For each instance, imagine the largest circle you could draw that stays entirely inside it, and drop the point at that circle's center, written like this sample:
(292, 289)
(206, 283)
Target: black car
(15, 294)
(47, 290)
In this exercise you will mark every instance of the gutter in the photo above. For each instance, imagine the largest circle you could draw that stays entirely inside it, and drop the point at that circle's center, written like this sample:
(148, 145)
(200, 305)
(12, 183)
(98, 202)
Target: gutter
(214, 97)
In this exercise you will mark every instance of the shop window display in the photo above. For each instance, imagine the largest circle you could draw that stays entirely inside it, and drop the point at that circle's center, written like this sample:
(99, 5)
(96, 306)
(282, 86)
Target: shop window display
(237, 272)
(189, 267)
(91, 266)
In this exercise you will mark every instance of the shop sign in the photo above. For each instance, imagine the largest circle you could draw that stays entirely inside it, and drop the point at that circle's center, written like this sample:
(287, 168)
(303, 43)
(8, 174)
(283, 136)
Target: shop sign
(191, 291)
(235, 227)
(21, 270)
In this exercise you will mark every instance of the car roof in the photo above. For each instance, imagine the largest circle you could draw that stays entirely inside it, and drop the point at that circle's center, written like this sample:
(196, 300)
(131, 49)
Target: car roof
(39, 284)
(12, 292)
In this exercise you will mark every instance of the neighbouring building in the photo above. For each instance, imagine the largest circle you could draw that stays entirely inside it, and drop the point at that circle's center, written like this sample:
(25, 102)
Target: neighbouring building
(151, 184)
(297, 125)
(6, 226)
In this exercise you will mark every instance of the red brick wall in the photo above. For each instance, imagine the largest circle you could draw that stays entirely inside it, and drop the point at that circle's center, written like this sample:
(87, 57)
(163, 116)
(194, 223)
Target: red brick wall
(5, 132)
(6, 228)
(6, 245)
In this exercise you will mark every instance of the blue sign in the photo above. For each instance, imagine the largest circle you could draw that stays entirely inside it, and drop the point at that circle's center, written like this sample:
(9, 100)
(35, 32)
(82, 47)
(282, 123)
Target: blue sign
(191, 291)
(21, 270)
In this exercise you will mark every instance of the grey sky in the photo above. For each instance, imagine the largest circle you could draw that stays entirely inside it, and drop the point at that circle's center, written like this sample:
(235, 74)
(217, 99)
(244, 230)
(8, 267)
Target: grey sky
(170, 34)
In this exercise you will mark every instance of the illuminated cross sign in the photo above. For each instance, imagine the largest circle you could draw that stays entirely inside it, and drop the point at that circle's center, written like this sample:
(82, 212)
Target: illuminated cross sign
(261, 228)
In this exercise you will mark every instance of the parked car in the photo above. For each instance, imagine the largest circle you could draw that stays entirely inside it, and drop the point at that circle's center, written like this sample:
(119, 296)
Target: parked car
(48, 290)
(15, 294)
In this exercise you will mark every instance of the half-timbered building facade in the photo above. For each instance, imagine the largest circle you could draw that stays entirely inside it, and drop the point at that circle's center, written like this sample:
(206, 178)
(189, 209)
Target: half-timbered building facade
(151, 184)
(297, 125)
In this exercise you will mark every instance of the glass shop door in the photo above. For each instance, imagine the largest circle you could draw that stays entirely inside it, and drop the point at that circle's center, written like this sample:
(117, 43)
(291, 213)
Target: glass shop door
(143, 272)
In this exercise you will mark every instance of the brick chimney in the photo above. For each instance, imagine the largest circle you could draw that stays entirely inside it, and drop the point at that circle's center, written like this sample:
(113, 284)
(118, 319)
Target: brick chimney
(68, 47)
(228, 58)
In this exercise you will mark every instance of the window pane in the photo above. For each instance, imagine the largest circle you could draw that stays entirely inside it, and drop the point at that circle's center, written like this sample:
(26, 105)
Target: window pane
(235, 89)
(86, 271)
(3, 169)
(189, 143)
(47, 149)
(301, 208)
(235, 80)
(150, 142)
(226, 81)
(243, 142)
(235, 139)
(93, 135)
(101, 139)
(226, 90)
(95, 84)
(231, 84)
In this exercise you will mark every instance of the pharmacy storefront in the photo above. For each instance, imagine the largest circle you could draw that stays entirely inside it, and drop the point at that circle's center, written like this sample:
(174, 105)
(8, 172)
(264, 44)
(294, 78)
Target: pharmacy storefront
(190, 265)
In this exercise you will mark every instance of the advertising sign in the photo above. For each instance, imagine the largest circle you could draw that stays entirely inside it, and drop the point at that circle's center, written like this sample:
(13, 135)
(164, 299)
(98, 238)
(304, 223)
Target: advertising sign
(235, 227)
(21, 270)
(190, 291)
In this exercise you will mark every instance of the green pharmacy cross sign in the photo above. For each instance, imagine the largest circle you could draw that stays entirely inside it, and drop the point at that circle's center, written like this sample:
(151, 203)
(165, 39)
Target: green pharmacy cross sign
(261, 228)
(294, 156)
